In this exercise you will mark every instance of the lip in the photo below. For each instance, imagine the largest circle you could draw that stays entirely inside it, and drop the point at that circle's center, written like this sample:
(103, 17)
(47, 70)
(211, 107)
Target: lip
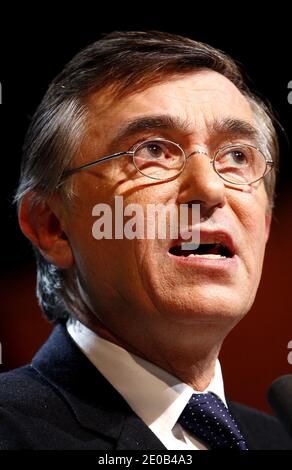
(206, 263)
(208, 236)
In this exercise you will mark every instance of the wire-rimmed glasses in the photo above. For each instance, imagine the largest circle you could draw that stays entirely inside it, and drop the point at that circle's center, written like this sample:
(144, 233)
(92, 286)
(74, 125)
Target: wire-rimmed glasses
(163, 160)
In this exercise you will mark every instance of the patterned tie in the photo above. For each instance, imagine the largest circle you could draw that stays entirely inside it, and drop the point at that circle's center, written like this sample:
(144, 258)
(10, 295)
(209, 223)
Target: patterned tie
(207, 418)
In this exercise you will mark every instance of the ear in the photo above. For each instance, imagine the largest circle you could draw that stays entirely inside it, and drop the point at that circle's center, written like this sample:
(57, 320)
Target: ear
(43, 222)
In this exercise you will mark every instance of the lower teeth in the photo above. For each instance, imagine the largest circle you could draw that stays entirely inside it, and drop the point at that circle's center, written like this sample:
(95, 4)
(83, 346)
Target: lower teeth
(210, 256)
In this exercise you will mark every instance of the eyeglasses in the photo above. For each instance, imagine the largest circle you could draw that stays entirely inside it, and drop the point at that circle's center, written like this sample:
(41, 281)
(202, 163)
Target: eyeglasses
(161, 159)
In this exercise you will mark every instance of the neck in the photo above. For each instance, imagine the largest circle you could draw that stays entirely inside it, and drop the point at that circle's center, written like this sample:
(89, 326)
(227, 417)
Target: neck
(190, 355)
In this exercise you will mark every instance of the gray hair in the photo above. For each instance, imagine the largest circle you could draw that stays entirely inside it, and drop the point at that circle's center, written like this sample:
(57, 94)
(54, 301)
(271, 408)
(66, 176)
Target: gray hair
(125, 62)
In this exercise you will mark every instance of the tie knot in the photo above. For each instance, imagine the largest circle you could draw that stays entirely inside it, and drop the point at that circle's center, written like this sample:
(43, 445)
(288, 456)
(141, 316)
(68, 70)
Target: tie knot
(209, 419)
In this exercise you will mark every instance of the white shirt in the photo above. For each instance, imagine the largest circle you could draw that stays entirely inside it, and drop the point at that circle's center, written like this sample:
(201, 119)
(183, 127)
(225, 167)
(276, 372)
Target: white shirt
(156, 396)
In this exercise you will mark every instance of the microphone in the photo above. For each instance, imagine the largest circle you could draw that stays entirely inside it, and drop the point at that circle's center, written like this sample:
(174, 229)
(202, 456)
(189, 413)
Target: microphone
(280, 399)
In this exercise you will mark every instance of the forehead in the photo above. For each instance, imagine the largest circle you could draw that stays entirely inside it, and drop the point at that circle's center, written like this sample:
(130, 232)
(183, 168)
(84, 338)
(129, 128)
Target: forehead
(197, 97)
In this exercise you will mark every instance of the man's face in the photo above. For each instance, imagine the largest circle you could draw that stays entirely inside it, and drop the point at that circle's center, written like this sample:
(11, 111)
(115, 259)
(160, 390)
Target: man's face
(130, 283)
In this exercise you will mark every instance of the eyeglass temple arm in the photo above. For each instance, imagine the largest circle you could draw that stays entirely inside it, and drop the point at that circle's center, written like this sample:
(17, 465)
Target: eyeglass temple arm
(96, 162)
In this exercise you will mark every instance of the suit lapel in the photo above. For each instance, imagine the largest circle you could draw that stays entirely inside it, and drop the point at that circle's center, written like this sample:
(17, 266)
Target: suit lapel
(136, 435)
(96, 405)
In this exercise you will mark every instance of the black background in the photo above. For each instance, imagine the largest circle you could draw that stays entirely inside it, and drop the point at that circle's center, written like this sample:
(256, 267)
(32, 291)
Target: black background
(37, 41)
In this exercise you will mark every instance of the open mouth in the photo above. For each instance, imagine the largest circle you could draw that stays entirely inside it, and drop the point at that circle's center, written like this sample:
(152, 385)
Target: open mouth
(204, 250)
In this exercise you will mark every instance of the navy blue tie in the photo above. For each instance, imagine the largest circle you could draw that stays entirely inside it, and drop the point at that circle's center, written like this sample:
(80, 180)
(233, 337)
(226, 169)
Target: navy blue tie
(208, 419)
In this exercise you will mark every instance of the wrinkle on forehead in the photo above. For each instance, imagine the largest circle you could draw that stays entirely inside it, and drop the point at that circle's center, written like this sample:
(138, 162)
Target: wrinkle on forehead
(199, 98)
(183, 87)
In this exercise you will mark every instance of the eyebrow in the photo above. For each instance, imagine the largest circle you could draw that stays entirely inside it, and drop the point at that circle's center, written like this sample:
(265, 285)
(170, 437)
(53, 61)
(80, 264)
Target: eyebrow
(236, 127)
(228, 126)
(146, 123)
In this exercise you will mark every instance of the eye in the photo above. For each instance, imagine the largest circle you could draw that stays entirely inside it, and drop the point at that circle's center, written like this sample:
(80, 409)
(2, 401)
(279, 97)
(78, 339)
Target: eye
(237, 157)
(159, 159)
(240, 164)
(155, 150)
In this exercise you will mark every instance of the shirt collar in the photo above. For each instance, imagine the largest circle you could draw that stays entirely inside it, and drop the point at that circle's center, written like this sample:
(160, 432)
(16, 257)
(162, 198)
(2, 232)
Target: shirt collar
(156, 396)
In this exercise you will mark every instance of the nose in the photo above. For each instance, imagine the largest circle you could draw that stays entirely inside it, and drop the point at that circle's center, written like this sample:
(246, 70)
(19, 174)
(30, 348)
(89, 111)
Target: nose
(200, 184)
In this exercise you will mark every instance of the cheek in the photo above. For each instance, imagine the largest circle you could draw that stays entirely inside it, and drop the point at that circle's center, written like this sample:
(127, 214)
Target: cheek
(250, 209)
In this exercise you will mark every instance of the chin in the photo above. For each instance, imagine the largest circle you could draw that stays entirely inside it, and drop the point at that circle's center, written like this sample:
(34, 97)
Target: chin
(215, 305)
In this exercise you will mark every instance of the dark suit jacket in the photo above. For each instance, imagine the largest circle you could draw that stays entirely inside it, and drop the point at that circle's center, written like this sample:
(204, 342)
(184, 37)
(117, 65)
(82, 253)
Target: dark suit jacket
(61, 401)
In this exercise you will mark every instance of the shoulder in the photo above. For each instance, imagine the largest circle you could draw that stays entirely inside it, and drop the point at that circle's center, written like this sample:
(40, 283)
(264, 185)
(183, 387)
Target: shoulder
(29, 407)
(38, 413)
(261, 430)
(23, 387)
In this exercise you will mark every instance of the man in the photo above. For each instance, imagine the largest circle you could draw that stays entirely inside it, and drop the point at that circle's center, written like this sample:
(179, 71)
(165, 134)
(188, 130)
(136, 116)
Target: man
(133, 361)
